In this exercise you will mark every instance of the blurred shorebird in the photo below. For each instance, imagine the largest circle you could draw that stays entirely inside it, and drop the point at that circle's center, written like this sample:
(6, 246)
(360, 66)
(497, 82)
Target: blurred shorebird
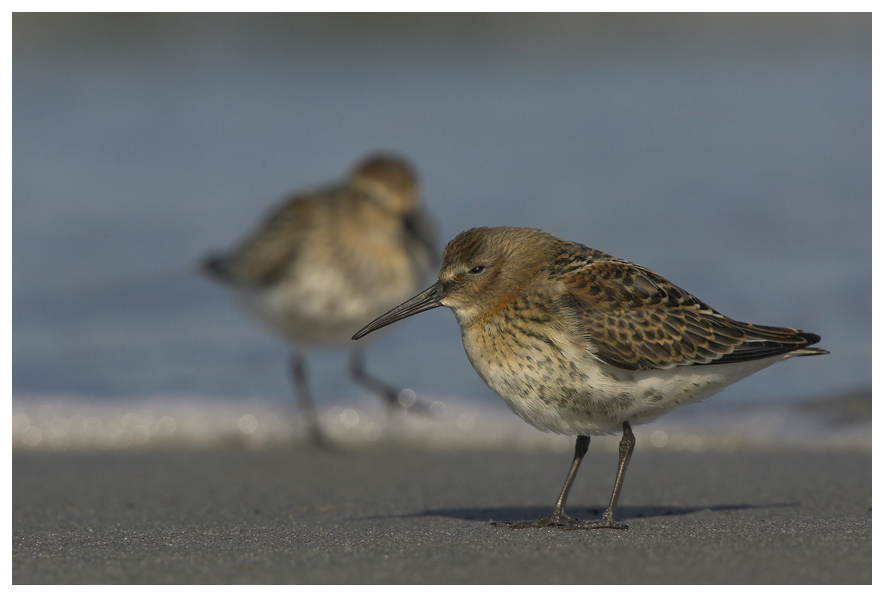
(324, 262)
(581, 343)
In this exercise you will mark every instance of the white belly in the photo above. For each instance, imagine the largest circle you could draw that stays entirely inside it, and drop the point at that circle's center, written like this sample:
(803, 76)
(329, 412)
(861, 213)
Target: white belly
(592, 398)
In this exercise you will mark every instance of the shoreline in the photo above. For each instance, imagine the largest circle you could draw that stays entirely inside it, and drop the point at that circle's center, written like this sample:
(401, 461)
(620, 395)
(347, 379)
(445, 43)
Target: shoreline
(836, 422)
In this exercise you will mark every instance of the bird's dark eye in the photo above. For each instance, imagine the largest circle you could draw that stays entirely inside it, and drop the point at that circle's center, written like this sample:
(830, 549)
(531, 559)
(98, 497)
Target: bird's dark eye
(478, 269)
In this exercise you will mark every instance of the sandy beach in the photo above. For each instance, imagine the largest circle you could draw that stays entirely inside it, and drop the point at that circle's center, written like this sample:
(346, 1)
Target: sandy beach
(395, 514)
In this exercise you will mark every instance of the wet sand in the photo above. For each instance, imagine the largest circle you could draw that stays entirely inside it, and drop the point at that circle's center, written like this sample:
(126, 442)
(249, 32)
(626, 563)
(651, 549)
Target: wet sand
(400, 515)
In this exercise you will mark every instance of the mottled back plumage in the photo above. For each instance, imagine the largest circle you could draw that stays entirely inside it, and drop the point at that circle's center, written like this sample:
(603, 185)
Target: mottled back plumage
(636, 319)
(381, 188)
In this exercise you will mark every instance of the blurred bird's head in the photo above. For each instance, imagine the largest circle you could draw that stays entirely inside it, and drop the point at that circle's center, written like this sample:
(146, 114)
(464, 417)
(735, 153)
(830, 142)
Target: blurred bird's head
(388, 180)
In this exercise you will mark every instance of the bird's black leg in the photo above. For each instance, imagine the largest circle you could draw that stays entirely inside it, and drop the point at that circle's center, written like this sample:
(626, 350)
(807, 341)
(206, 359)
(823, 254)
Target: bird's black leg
(558, 518)
(608, 521)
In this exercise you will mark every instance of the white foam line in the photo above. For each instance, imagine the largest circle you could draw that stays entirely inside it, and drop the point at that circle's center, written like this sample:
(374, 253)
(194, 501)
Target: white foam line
(58, 423)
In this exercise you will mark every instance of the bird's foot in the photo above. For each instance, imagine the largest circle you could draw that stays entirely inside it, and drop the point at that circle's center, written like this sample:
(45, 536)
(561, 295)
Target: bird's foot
(560, 520)
(606, 522)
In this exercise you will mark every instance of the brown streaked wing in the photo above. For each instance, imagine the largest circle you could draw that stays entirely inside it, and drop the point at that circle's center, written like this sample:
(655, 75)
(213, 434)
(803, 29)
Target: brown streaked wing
(264, 256)
(637, 320)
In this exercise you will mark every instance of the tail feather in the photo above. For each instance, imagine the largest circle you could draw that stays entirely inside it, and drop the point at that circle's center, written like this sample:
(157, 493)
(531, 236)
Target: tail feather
(767, 341)
(806, 352)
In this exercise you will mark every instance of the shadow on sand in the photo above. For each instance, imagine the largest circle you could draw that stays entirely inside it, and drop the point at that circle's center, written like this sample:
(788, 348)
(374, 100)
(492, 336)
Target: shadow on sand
(624, 513)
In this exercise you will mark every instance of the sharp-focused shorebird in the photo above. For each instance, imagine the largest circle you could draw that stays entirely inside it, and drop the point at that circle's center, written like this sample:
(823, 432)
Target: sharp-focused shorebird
(581, 343)
(324, 262)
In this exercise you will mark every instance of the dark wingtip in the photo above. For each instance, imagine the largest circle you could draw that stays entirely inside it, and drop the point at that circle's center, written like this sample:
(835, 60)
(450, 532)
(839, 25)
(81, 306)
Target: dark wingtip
(811, 338)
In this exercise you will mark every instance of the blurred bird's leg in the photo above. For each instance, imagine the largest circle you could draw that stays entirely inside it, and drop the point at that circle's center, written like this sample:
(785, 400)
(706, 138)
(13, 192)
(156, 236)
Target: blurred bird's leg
(306, 406)
(394, 397)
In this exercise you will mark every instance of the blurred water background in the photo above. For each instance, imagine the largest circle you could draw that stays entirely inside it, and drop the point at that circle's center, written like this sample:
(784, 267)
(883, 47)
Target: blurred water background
(730, 153)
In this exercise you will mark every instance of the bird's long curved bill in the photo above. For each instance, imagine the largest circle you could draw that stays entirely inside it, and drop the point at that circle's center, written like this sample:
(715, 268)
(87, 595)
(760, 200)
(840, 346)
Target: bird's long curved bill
(428, 299)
